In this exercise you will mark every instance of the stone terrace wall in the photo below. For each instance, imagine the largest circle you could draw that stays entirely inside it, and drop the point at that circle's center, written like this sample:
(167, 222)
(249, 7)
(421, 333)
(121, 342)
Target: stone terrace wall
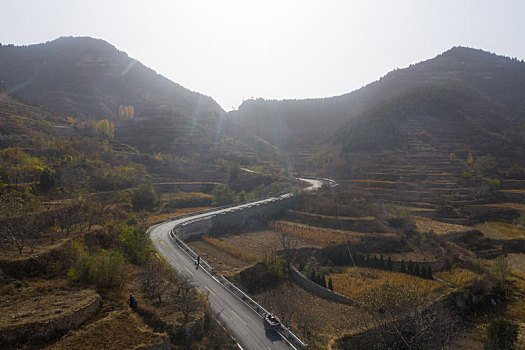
(196, 228)
(316, 289)
(234, 219)
(35, 332)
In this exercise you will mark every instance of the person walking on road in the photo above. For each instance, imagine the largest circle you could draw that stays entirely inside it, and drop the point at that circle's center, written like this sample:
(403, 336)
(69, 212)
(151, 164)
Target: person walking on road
(198, 262)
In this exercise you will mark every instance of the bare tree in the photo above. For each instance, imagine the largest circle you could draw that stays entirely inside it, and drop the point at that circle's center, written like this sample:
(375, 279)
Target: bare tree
(288, 244)
(18, 220)
(158, 278)
(71, 215)
(307, 323)
(402, 319)
(187, 300)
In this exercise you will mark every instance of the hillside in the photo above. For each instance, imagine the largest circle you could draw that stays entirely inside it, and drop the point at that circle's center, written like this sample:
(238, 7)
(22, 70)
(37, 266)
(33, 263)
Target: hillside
(176, 133)
(298, 125)
(440, 138)
(90, 78)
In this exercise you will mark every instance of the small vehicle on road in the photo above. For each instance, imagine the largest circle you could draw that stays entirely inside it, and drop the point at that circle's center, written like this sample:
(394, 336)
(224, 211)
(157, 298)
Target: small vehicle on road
(271, 322)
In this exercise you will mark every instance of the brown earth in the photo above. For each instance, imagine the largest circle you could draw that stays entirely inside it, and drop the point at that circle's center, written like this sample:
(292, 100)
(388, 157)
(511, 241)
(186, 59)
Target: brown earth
(324, 317)
(259, 243)
(262, 242)
(16, 310)
(222, 262)
(517, 261)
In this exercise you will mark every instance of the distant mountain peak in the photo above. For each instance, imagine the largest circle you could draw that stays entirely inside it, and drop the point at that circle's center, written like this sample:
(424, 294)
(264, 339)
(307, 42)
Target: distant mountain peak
(472, 55)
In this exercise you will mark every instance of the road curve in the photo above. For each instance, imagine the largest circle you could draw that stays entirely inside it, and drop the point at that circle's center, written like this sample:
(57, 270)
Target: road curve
(244, 324)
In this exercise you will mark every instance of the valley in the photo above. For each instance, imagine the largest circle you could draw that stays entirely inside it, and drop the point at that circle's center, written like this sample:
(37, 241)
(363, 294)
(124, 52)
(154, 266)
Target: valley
(422, 227)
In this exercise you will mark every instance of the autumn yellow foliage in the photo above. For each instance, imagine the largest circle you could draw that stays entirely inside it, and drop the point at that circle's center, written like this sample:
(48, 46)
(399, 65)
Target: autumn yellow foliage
(458, 277)
(126, 112)
(106, 128)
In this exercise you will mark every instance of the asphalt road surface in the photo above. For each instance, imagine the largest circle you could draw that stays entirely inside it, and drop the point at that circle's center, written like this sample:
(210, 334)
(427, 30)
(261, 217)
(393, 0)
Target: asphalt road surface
(244, 324)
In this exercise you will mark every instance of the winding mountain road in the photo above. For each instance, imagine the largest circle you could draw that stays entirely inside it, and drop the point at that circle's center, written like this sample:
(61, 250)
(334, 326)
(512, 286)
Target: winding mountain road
(244, 324)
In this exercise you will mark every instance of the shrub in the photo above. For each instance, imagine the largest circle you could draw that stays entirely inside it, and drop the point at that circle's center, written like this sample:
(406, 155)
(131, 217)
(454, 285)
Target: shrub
(47, 180)
(136, 244)
(144, 197)
(521, 220)
(223, 195)
(500, 270)
(105, 269)
(502, 334)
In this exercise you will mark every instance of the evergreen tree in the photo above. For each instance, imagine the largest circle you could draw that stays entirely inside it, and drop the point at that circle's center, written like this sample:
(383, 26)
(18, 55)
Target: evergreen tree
(403, 268)
(361, 260)
(381, 262)
(375, 263)
(323, 281)
(389, 265)
(330, 285)
(410, 269)
(47, 180)
(428, 273)
(417, 272)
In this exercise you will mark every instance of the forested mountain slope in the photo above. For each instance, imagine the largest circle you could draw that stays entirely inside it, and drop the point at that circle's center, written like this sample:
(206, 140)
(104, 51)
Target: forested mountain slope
(298, 125)
(90, 78)
(176, 133)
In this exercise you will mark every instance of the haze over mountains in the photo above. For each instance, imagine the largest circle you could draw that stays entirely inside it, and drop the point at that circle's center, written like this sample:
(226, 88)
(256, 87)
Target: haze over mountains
(478, 96)
(94, 146)
(90, 80)
(85, 77)
(496, 81)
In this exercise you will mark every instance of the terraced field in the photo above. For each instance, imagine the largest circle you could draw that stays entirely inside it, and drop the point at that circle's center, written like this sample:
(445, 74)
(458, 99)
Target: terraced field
(429, 173)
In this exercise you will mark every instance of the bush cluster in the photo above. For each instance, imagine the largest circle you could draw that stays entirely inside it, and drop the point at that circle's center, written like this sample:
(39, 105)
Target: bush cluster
(104, 269)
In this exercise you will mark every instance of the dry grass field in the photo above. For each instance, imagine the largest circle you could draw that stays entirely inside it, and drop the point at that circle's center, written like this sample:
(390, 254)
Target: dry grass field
(356, 282)
(231, 249)
(223, 262)
(40, 301)
(230, 254)
(324, 317)
(178, 195)
(424, 225)
(501, 230)
(318, 235)
(261, 243)
(517, 261)
(163, 217)
(117, 330)
(457, 276)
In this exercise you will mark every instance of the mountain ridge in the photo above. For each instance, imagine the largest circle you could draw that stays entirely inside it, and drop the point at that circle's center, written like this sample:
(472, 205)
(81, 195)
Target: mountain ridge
(90, 78)
(496, 78)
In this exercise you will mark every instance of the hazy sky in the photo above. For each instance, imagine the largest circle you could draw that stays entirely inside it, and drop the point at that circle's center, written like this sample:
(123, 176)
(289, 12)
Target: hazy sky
(235, 50)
